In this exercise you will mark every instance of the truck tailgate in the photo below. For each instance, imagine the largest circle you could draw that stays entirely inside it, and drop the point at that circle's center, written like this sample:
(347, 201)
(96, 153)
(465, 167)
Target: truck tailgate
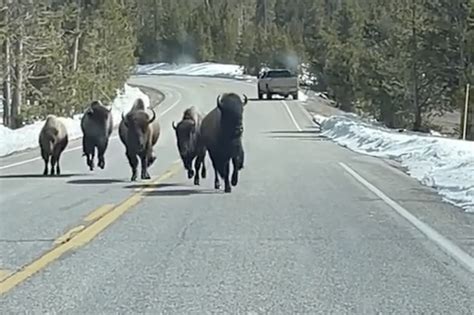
(282, 84)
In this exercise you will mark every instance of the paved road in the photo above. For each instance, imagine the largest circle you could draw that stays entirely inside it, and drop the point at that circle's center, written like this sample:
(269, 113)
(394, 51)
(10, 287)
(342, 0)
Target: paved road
(300, 234)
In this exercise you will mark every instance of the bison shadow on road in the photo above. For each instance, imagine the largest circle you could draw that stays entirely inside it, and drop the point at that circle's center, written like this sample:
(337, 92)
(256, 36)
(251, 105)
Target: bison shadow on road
(98, 181)
(181, 192)
(171, 189)
(152, 186)
(13, 176)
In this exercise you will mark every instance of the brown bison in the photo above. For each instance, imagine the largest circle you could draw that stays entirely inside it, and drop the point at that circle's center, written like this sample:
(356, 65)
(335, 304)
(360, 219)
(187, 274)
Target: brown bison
(139, 133)
(96, 126)
(53, 139)
(221, 135)
(187, 138)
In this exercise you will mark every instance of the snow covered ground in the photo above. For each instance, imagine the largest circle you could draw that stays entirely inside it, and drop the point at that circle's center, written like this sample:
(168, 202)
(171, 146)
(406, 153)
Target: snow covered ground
(211, 69)
(195, 69)
(27, 137)
(207, 69)
(442, 163)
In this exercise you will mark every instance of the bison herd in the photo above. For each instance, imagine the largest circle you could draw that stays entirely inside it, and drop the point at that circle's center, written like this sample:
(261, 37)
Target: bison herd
(219, 133)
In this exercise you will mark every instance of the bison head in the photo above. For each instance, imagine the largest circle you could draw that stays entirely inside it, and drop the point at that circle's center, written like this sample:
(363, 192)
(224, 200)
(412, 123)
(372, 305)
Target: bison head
(97, 119)
(138, 105)
(231, 107)
(185, 137)
(98, 111)
(137, 123)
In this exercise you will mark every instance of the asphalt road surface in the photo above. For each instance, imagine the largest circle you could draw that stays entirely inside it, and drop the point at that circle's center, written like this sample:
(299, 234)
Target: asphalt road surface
(311, 228)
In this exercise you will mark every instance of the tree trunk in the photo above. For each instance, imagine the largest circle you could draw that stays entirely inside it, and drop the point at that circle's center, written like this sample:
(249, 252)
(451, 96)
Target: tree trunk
(77, 38)
(418, 119)
(387, 114)
(416, 105)
(76, 51)
(17, 95)
(7, 92)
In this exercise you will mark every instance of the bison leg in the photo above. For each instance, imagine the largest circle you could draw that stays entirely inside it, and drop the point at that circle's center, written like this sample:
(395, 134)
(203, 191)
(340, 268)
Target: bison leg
(57, 152)
(225, 173)
(189, 167)
(58, 169)
(144, 162)
(88, 148)
(46, 162)
(235, 172)
(53, 163)
(101, 151)
(217, 184)
(151, 159)
(197, 166)
(203, 171)
(90, 159)
(238, 158)
(133, 161)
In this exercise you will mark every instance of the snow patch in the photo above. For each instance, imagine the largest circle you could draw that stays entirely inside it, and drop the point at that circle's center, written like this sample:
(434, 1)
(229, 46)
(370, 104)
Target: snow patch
(27, 137)
(195, 69)
(302, 96)
(306, 78)
(445, 164)
(211, 69)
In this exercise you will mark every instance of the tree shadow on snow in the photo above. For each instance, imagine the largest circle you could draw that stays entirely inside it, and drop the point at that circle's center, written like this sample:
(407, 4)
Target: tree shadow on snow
(308, 135)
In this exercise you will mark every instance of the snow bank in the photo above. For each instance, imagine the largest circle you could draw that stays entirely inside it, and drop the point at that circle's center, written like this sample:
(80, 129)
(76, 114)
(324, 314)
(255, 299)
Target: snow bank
(306, 78)
(194, 69)
(301, 97)
(444, 164)
(207, 69)
(27, 136)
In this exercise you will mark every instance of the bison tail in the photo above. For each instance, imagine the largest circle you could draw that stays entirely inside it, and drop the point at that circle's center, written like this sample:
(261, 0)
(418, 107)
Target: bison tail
(50, 142)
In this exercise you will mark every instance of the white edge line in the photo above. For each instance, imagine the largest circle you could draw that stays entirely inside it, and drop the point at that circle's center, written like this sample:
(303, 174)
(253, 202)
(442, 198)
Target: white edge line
(291, 116)
(446, 245)
(80, 147)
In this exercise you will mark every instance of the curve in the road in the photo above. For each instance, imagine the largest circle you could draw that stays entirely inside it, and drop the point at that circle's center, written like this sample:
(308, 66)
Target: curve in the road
(299, 234)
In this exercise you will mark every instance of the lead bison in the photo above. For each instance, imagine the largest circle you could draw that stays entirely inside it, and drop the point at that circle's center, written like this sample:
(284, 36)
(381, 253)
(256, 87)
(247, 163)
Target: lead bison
(139, 133)
(53, 139)
(187, 139)
(221, 135)
(96, 126)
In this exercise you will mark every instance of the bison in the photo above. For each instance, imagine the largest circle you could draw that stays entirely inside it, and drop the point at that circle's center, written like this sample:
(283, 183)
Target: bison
(187, 140)
(221, 135)
(139, 133)
(96, 126)
(53, 139)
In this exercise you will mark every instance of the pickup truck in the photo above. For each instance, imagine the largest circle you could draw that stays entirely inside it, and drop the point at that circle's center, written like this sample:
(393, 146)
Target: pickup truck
(277, 81)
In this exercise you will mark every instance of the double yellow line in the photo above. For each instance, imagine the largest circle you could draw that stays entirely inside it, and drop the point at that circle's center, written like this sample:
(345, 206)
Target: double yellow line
(78, 236)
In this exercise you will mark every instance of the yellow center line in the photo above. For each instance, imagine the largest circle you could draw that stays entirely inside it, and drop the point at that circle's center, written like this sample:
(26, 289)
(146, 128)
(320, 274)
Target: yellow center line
(81, 236)
(4, 274)
(68, 235)
(99, 212)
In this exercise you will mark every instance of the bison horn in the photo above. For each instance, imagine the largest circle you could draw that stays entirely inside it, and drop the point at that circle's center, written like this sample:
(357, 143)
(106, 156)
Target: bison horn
(246, 99)
(174, 125)
(123, 117)
(154, 116)
(219, 101)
